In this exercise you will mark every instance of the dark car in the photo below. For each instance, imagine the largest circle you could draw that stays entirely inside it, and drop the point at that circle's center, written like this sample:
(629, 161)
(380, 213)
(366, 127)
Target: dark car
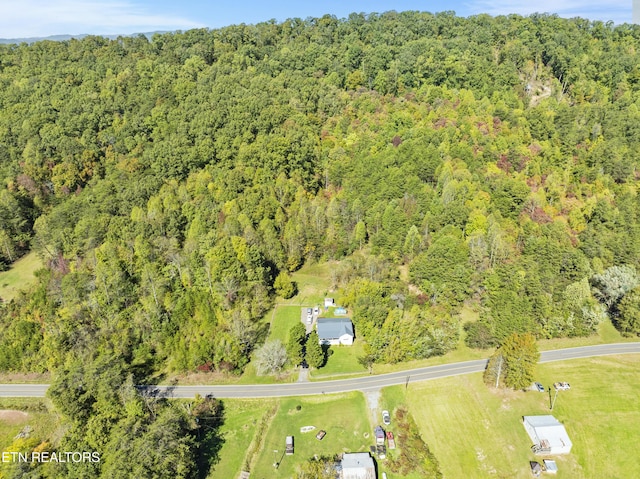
(321, 434)
(539, 387)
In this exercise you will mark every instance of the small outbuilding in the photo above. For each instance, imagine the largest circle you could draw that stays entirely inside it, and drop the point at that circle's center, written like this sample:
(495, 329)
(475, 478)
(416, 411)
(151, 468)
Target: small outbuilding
(335, 331)
(550, 466)
(329, 303)
(358, 465)
(548, 435)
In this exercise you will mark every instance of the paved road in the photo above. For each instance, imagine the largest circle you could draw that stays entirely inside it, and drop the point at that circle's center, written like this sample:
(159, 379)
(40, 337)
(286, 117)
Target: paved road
(343, 385)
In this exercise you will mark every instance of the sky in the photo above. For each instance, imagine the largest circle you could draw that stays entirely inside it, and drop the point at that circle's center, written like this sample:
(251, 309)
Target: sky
(39, 18)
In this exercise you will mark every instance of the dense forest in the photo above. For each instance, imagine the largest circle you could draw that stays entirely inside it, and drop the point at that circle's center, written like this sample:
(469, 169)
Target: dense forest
(168, 182)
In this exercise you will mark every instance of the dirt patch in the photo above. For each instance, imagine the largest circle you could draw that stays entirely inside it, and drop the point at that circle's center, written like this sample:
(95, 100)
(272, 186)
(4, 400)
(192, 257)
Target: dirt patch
(12, 416)
(25, 378)
(372, 397)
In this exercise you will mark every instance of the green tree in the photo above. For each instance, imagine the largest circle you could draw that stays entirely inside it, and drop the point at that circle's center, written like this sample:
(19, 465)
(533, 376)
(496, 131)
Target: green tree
(520, 353)
(628, 318)
(315, 353)
(284, 286)
(296, 342)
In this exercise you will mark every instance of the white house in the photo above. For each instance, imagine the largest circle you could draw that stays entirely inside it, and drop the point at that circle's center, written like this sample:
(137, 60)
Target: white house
(358, 465)
(335, 331)
(548, 435)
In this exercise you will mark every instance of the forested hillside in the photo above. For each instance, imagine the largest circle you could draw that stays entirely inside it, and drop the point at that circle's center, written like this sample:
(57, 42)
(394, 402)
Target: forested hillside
(167, 182)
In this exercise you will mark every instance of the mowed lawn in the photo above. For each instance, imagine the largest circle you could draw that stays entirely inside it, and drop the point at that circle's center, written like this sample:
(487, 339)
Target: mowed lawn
(242, 419)
(342, 360)
(284, 319)
(20, 274)
(476, 432)
(343, 417)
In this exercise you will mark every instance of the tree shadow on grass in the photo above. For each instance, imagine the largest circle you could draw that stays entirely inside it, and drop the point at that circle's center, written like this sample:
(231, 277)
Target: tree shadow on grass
(209, 415)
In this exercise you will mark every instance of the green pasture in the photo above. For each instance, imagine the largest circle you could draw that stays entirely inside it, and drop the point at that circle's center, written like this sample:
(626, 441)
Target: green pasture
(344, 418)
(284, 319)
(20, 274)
(239, 431)
(476, 432)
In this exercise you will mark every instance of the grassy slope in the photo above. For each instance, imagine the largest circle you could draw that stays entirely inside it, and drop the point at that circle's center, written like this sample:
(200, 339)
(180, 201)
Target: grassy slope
(477, 432)
(20, 275)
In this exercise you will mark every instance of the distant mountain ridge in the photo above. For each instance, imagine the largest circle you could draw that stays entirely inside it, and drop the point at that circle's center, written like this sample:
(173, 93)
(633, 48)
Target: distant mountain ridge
(63, 37)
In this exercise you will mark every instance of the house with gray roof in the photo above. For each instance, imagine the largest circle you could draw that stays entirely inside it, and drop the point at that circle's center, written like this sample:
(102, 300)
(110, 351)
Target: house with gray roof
(335, 331)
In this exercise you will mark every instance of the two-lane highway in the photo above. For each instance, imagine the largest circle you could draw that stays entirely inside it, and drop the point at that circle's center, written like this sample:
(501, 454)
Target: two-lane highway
(343, 385)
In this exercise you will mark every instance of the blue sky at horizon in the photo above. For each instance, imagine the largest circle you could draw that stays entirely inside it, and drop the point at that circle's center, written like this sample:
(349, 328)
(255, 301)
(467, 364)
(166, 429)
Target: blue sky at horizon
(38, 18)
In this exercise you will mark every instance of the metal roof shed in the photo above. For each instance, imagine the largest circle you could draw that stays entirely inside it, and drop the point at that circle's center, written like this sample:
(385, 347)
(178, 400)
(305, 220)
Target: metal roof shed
(358, 465)
(548, 435)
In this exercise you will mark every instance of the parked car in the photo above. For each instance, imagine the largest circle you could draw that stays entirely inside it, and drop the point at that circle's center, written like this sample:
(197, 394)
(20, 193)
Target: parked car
(562, 386)
(289, 445)
(316, 311)
(321, 434)
(309, 316)
(386, 418)
(539, 387)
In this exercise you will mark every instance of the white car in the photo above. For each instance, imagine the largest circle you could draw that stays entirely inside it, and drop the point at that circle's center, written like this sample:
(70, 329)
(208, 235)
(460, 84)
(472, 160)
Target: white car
(386, 418)
(316, 311)
(562, 386)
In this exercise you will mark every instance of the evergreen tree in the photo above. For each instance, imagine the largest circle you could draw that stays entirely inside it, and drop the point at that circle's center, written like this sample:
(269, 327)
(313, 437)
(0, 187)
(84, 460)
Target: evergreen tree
(315, 353)
(296, 342)
(628, 318)
(521, 355)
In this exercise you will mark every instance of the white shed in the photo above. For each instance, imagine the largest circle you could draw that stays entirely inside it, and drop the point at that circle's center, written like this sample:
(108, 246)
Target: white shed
(548, 435)
(358, 465)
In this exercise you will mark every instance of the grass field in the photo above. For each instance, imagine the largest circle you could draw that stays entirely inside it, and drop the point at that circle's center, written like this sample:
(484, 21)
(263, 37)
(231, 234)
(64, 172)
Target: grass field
(476, 432)
(20, 274)
(17, 413)
(342, 360)
(242, 421)
(313, 284)
(343, 417)
(284, 319)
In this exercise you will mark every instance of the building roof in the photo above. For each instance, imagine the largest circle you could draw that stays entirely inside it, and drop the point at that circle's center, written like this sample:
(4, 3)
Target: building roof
(549, 429)
(542, 421)
(358, 465)
(332, 328)
(356, 459)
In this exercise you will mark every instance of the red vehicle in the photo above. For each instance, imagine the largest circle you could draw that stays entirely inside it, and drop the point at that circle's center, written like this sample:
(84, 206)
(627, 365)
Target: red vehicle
(390, 440)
